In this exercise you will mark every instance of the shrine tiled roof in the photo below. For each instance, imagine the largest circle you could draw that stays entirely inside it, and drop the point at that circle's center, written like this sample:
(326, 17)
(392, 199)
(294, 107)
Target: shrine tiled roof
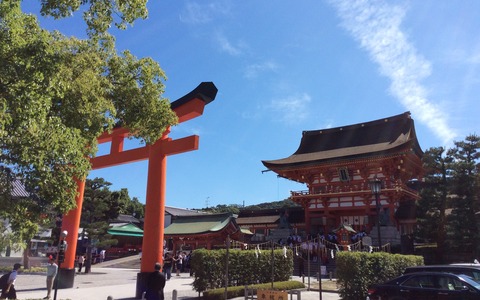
(364, 139)
(126, 230)
(258, 220)
(18, 189)
(123, 218)
(204, 223)
(175, 211)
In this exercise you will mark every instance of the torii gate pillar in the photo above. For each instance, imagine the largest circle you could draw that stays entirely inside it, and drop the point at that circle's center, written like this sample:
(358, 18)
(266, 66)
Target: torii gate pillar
(186, 108)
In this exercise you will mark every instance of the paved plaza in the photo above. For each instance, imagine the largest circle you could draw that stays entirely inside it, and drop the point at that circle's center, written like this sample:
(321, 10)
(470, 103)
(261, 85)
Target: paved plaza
(119, 283)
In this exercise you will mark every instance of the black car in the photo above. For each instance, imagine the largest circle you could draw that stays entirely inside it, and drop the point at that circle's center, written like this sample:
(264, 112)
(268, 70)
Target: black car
(472, 270)
(426, 286)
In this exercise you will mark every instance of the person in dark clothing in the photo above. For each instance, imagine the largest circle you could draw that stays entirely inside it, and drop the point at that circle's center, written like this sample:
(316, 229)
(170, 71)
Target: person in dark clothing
(8, 290)
(301, 270)
(155, 284)
(167, 265)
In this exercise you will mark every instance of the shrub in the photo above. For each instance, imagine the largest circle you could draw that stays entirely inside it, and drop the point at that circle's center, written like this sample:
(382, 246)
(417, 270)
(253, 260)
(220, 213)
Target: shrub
(244, 267)
(357, 270)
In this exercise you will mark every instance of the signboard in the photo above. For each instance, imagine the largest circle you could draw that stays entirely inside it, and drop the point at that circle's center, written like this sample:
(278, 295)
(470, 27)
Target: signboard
(323, 270)
(271, 295)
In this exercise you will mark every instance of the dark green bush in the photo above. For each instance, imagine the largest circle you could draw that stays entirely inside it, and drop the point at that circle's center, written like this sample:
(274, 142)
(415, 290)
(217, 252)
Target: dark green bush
(244, 267)
(239, 291)
(357, 270)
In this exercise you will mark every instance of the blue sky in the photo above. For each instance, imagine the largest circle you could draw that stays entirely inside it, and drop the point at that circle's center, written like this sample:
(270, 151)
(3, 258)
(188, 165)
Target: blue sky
(282, 67)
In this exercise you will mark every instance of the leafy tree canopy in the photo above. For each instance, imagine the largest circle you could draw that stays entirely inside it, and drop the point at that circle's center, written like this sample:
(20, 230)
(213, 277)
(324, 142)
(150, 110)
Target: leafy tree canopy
(99, 14)
(450, 198)
(129, 206)
(98, 210)
(58, 94)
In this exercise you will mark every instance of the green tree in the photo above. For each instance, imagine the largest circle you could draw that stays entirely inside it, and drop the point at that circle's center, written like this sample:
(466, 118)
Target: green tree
(21, 216)
(223, 208)
(129, 206)
(275, 204)
(99, 15)
(464, 229)
(137, 208)
(431, 208)
(99, 208)
(59, 94)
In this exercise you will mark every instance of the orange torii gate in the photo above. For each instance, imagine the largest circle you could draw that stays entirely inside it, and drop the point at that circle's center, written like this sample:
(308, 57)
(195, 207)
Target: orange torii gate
(188, 107)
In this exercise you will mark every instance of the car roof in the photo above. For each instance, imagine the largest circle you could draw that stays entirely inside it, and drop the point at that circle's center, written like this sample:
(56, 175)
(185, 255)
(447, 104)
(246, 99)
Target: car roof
(411, 274)
(452, 266)
(406, 276)
(431, 273)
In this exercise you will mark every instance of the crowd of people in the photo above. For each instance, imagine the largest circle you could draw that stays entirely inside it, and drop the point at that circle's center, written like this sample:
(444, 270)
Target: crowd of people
(180, 262)
(295, 240)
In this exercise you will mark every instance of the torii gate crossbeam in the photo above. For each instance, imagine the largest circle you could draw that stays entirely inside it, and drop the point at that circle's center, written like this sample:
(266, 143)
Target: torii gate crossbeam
(188, 107)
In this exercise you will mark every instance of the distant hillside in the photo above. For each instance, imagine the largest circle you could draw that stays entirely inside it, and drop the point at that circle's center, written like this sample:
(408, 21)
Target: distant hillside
(273, 205)
(235, 208)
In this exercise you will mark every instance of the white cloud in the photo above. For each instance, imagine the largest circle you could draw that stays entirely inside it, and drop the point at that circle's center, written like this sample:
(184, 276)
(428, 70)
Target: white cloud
(253, 70)
(196, 13)
(376, 26)
(228, 47)
(290, 109)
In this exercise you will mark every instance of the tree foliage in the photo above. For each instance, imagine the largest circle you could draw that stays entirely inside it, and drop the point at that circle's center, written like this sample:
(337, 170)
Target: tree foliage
(431, 208)
(98, 210)
(236, 208)
(22, 216)
(59, 94)
(129, 206)
(274, 205)
(463, 225)
(99, 15)
(450, 199)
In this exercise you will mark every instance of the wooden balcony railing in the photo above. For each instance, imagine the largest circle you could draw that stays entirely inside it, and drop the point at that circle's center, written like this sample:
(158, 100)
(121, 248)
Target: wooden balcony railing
(360, 188)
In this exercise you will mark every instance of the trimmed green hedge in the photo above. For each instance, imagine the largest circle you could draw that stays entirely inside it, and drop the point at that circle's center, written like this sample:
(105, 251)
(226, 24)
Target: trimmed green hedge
(357, 270)
(239, 291)
(244, 267)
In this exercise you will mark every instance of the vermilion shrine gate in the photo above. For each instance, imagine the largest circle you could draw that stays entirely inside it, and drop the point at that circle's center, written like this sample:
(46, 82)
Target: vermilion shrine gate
(186, 108)
(338, 165)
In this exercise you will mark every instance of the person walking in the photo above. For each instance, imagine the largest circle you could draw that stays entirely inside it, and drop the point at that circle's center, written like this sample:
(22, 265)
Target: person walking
(81, 261)
(178, 262)
(155, 284)
(167, 265)
(52, 269)
(8, 291)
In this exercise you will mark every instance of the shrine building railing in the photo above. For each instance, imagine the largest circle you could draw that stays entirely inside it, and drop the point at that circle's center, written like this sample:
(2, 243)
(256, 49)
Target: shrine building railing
(360, 188)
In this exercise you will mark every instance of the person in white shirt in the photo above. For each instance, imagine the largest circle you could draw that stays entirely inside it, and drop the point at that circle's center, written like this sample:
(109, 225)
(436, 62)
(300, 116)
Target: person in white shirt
(52, 269)
(81, 261)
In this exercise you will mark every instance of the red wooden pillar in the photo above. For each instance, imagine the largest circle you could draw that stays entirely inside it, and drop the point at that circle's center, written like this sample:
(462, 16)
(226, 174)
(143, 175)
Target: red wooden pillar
(152, 247)
(71, 223)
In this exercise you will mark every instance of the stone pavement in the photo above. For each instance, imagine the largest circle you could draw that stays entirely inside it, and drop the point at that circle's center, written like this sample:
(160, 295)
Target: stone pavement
(119, 283)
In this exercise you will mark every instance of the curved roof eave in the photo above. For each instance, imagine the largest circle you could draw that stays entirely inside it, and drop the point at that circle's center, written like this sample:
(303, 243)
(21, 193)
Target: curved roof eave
(297, 160)
(372, 138)
(195, 225)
